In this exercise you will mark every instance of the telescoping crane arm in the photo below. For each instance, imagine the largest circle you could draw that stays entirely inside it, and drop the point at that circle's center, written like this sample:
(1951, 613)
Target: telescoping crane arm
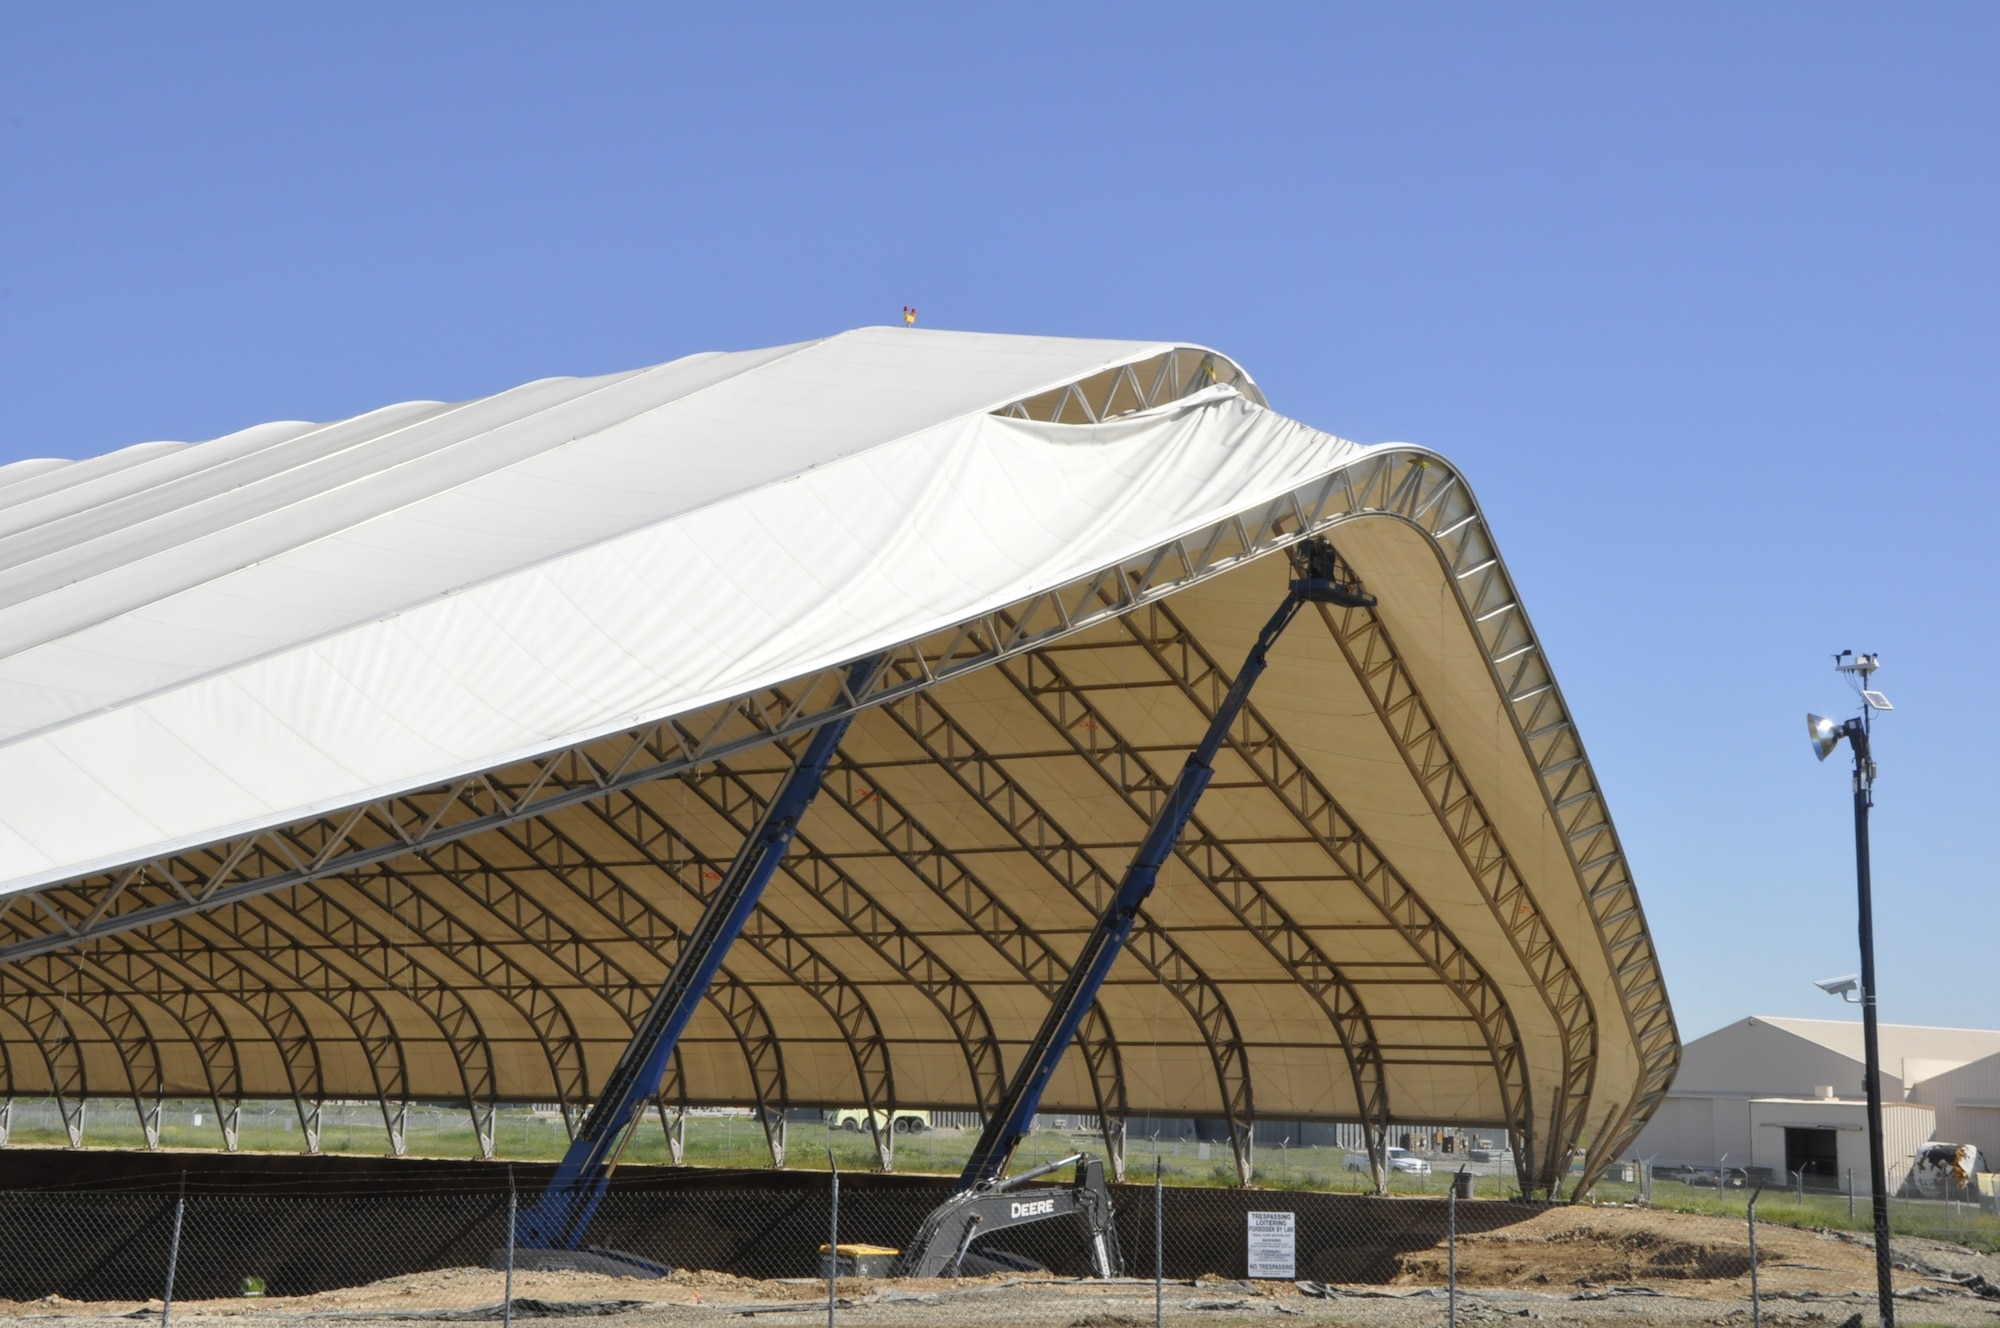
(1321, 583)
(559, 1218)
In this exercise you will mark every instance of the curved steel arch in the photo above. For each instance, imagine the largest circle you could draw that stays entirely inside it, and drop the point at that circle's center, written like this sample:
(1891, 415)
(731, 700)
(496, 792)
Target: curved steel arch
(644, 829)
(269, 997)
(1106, 1066)
(591, 965)
(346, 933)
(1239, 891)
(1432, 498)
(1315, 811)
(912, 958)
(850, 786)
(126, 1031)
(201, 1026)
(1287, 778)
(6, 1087)
(640, 919)
(1409, 724)
(158, 975)
(487, 964)
(1037, 833)
(763, 1052)
(69, 1084)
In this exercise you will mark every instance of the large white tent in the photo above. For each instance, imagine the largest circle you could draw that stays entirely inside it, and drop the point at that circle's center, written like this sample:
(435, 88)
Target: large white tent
(388, 757)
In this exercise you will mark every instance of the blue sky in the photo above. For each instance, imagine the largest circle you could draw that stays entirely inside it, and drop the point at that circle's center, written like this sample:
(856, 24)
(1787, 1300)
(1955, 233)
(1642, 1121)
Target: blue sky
(1703, 298)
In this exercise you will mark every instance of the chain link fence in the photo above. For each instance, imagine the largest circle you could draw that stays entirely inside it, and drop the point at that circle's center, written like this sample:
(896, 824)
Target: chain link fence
(1191, 1255)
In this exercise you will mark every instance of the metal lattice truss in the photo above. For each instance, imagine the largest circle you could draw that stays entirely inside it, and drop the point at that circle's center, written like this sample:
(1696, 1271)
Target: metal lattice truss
(1128, 388)
(1366, 920)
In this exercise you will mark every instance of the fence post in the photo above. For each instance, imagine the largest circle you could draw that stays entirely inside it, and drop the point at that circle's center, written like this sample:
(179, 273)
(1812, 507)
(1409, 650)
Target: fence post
(1451, 1255)
(1850, 1193)
(832, 1240)
(1756, 1308)
(1159, 1249)
(513, 1209)
(174, 1252)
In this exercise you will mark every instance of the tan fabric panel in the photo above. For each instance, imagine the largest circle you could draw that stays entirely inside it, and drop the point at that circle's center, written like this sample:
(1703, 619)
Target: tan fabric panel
(1438, 645)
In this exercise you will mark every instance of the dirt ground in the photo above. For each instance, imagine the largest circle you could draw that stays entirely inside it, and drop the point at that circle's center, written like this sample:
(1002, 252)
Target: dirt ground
(1600, 1267)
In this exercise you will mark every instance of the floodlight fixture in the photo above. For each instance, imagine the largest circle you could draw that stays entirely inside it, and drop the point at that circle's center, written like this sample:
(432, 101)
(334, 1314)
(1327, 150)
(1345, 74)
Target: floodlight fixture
(1826, 735)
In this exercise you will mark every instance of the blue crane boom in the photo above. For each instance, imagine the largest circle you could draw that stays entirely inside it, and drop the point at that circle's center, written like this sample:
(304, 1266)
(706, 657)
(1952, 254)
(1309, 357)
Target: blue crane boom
(559, 1218)
(1321, 583)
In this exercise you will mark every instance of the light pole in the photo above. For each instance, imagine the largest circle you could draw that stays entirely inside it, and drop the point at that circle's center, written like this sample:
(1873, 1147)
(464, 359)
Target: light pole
(1826, 735)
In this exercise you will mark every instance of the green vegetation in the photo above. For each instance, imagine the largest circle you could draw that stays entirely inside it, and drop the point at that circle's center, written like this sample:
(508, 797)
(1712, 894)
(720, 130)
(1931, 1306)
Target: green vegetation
(1961, 1223)
(713, 1140)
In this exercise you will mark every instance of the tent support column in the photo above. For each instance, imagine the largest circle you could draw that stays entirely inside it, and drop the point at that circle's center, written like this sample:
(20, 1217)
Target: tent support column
(482, 1126)
(397, 1121)
(559, 1218)
(310, 1114)
(674, 1121)
(1376, 1134)
(1114, 1146)
(1010, 1121)
(774, 1135)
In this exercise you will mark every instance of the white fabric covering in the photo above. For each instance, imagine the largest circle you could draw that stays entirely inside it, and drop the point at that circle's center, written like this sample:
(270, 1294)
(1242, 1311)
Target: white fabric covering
(197, 640)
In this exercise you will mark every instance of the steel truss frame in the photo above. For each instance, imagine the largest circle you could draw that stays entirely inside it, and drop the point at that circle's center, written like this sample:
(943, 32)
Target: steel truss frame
(487, 964)
(255, 975)
(1548, 735)
(1121, 916)
(948, 876)
(1371, 655)
(953, 748)
(114, 993)
(1406, 484)
(1141, 385)
(1089, 734)
(48, 1027)
(1255, 741)
(125, 1032)
(329, 928)
(647, 831)
(739, 805)
(638, 918)
(561, 1216)
(559, 858)
(159, 978)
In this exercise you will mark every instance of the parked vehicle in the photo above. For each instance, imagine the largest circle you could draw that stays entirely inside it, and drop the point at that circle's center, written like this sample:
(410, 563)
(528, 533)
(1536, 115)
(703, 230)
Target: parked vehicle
(1945, 1171)
(857, 1120)
(1400, 1159)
